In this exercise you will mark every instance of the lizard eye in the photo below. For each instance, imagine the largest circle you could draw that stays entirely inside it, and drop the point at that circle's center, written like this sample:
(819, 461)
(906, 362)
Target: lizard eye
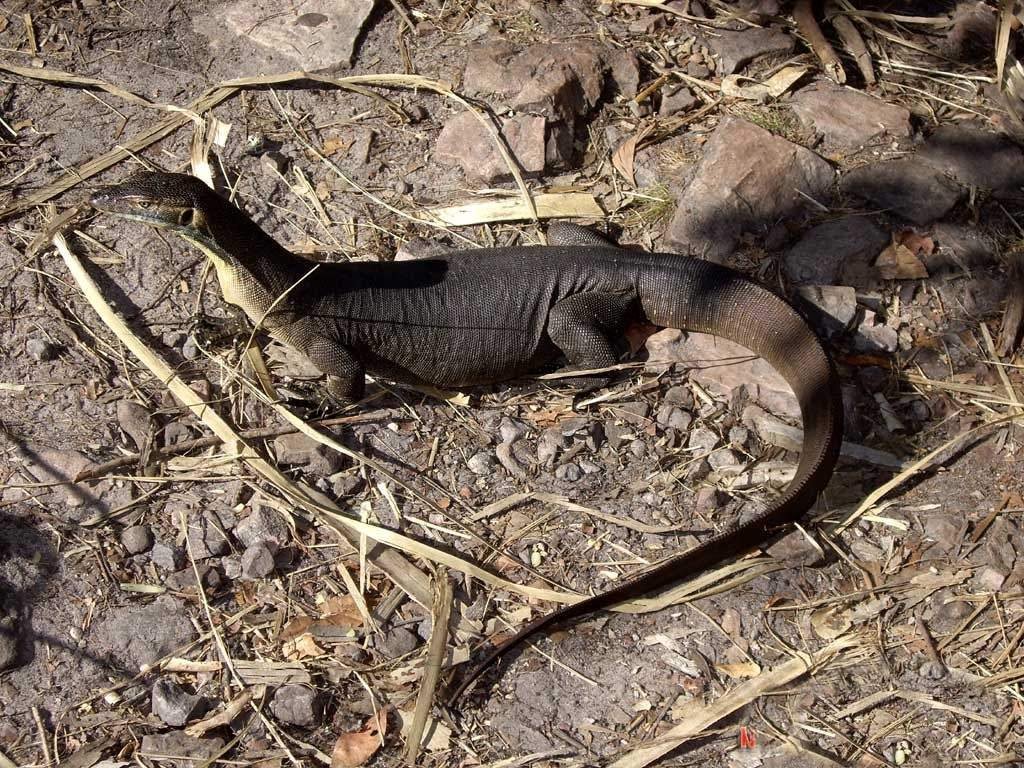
(186, 217)
(143, 204)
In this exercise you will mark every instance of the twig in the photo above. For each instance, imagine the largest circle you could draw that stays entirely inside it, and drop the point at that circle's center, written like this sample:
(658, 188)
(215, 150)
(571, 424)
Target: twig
(852, 40)
(803, 15)
(440, 613)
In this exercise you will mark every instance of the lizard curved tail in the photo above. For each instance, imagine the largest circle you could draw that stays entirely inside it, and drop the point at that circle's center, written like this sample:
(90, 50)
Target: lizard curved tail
(701, 296)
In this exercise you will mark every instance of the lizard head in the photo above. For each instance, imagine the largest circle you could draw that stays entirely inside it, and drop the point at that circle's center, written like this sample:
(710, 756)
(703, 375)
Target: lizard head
(174, 201)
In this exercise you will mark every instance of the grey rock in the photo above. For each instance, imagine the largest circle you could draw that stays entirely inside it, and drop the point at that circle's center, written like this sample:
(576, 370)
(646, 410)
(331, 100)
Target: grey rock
(739, 437)
(568, 473)
(60, 467)
(617, 435)
(503, 452)
(206, 535)
(295, 705)
(134, 421)
(875, 337)
(908, 187)
(138, 636)
(842, 250)
(397, 641)
(174, 705)
(232, 566)
(708, 499)
(959, 248)
(551, 441)
(832, 307)
(257, 561)
(481, 463)
(465, 141)
(971, 31)
(8, 640)
(931, 670)
(848, 117)
(747, 180)
(297, 37)
(679, 99)
(946, 530)
(263, 526)
(416, 248)
(638, 448)
(735, 49)
(679, 395)
(724, 458)
(297, 449)
(723, 367)
(673, 417)
(178, 749)
(167, 556)
(589, 467)
(176, 433)
(137, 539)
(185, 579)
(511, 430)
(41, 350)
(977, 158)
(634, 412)
(575, 425)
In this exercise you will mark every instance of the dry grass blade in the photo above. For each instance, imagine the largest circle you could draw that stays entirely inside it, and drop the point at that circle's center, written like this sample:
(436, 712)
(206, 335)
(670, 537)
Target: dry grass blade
(440, 614)
(162, 129)
(699, 717)
(575, 205)
(880, 492)
(1003, 38)
(77, 81)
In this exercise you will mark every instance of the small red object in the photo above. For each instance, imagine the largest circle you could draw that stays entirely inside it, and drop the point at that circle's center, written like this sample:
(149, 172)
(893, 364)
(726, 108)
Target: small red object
(748, 739)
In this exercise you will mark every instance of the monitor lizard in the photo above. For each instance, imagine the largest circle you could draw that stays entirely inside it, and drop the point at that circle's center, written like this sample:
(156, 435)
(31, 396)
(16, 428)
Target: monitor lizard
(481, 316)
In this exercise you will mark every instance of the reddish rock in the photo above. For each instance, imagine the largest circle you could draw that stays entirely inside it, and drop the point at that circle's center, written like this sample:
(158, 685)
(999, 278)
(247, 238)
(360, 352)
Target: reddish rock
(847, 117)
(906, 186)
(747, 180)
(464, 141)
(735, 49)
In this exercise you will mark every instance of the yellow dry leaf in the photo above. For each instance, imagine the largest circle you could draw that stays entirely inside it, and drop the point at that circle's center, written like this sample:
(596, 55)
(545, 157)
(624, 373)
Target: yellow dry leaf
(353, 749)
(772, 88)
(740, 670)
(302, 647)
(831, 622)
(625, 156)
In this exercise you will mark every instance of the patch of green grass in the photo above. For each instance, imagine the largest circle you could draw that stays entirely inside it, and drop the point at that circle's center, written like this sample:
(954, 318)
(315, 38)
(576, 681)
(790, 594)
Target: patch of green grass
(652, 205)
(777, 120)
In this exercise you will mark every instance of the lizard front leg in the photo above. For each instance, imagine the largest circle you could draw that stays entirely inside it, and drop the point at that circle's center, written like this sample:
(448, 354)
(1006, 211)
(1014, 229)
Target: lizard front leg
(346, 376)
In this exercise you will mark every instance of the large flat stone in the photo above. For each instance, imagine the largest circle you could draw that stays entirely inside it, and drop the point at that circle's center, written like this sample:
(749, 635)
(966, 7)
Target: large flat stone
(847, 117)
(735, 49)
(465, 142)
(723, 366)
(747, 181)
(837, 251)
(977, 158)
(908, 187)
(313, 36)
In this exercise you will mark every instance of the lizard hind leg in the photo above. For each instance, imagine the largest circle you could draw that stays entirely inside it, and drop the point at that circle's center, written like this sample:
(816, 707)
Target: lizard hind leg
(583, 328)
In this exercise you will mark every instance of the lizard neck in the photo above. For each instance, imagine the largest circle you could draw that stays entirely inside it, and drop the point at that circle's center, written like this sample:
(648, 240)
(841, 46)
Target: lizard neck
(253, 269)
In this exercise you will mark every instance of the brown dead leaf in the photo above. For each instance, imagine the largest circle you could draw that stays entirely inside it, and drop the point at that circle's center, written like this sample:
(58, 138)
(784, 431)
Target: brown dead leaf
(353, 749)
(302, 647)
(340, 611)
(334, 145)
(899, 261)
(625, 156)
(296, 627)
(740, 670)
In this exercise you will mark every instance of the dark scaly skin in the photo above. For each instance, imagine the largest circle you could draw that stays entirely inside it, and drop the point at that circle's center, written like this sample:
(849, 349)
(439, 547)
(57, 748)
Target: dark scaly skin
(484, 316)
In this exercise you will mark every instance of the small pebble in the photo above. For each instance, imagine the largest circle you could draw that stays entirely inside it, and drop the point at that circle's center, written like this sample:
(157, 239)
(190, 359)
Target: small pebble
(569, 473)
(137, 539)
(41, 350)
(481, 463)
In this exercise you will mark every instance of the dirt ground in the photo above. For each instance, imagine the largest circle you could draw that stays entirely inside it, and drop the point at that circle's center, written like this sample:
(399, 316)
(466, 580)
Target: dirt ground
(178, 608)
